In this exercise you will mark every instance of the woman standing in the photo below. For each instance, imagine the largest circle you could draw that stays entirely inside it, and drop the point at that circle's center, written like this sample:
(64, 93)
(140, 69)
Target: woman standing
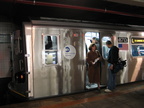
(93, 58)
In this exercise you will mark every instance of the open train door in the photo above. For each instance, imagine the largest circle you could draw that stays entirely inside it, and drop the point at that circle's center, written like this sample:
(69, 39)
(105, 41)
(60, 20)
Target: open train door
(100, 38)
(92, 36)
(104, 37)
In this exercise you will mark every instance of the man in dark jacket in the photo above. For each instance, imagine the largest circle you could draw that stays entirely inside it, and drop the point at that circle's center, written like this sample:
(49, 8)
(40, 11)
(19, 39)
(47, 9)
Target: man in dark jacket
(112, 61)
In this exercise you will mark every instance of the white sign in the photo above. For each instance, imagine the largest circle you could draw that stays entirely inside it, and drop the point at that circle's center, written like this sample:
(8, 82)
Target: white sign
(69, 52)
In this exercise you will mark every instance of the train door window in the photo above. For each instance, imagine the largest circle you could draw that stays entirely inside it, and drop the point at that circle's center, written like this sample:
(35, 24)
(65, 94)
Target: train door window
(105, 49)
(50, 50)
(91, 37)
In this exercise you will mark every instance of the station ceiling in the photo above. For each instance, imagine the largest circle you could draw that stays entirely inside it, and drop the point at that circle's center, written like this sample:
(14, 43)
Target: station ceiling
(130, 2)
(107, 11)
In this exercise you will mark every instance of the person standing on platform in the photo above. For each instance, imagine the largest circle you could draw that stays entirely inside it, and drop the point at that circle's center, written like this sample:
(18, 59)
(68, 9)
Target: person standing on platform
(112, 61)
(93, 58)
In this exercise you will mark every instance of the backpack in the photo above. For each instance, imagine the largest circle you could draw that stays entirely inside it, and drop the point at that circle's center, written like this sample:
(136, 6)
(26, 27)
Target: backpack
(119, 66)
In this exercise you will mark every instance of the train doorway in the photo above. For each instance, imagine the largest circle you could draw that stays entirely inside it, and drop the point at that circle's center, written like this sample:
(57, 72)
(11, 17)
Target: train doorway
(99, 38)
(104, 37)
(91, 37)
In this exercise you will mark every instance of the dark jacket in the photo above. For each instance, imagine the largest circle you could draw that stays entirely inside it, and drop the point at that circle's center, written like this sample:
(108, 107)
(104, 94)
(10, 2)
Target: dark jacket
(113, 55)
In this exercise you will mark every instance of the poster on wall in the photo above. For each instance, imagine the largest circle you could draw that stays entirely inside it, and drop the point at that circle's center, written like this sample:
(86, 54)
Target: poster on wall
(69, 52)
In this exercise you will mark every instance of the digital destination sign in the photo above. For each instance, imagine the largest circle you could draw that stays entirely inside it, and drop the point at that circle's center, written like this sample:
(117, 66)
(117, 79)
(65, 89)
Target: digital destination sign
(137, 40)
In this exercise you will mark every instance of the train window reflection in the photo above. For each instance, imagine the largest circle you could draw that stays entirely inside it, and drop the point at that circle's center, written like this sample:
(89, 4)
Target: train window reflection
(50, 50)
(137, 50)
(51, 57)
(105, 49)
(51, 42)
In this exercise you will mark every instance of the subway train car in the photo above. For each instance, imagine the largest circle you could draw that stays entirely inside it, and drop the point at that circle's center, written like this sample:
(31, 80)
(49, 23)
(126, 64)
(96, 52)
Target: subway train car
(55, 56)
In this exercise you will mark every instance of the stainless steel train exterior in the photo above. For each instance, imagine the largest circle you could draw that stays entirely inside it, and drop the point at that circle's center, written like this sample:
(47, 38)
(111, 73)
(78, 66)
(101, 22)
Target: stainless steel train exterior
(60, 67)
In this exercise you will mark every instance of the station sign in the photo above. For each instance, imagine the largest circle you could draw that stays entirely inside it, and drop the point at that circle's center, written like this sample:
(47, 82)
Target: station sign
(137, 40)
(122, 39)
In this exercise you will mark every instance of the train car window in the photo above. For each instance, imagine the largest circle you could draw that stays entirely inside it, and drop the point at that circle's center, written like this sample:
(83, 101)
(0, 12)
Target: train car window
(137, 46)
(50, 42)
(50, 50)
(105, 49)
(137, 50)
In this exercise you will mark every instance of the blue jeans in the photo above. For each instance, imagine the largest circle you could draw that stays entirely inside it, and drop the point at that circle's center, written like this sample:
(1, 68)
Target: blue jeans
(111, 79)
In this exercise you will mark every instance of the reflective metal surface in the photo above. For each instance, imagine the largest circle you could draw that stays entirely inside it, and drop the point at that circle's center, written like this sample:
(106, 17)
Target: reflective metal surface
(136, 70)
(29, 58)
(122, 76)
(68, 75)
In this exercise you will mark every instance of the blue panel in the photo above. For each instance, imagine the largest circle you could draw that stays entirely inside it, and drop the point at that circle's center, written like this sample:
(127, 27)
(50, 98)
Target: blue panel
(120, 45)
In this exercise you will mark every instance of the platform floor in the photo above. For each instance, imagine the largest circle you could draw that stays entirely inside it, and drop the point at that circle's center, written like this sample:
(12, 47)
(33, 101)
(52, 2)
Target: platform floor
(125, 96)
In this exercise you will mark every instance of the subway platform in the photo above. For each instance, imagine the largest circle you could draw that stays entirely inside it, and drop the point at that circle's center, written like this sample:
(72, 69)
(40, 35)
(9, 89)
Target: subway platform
(125, 96)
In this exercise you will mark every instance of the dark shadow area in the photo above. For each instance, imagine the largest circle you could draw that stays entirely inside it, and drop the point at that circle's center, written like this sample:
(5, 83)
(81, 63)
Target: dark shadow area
(6, 96)
(49, 43)
(4, 90)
